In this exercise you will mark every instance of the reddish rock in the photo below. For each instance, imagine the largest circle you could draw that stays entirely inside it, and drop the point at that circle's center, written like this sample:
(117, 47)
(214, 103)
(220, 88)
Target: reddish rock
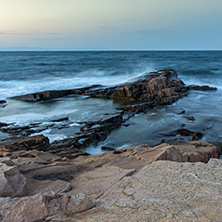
(38, 207)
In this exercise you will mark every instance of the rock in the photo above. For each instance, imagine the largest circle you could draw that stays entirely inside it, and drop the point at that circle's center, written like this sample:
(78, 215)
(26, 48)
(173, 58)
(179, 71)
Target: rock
(61, 119)
(202, 88)
(198, 151)
(184, 132)
(106, 148)
(13, 184)
(53, 94)
(3, 124)
(164, 191)
(7, 161)
(197, 136)
(190, 118)
(39, 142)
(2, 101)
(92, 132)
(41, 206)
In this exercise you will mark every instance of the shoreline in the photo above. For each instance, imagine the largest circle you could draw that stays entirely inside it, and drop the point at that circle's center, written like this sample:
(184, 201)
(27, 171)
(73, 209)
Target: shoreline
(60, 182)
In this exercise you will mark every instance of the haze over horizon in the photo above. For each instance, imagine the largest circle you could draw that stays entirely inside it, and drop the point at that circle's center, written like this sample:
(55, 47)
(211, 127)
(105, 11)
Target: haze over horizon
(106, 25)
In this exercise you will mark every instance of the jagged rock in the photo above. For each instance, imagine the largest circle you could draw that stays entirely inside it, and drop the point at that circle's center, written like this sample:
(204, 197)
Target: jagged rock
(13, 184)
(39, 142)
(92, 132)
(192, 151)
(40, 206)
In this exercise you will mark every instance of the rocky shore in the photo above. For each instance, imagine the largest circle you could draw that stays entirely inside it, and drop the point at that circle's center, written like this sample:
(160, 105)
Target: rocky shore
(171, 181)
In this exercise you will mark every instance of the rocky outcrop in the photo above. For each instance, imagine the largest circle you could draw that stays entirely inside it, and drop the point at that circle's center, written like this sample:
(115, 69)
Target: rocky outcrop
(129, 184)
(40, 206)
(91, 133)
(161, 87)
(39, 142)
(195, 151)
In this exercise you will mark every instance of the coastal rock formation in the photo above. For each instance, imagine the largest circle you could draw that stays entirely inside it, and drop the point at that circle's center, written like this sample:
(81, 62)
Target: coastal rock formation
(161, 87)
(195, 151)
(91, 133)
(41, 206)
(39, 142)
(163, 191)
(129, 184)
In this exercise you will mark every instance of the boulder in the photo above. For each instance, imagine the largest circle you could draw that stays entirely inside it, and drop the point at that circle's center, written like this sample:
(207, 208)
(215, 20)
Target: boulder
(13, 183)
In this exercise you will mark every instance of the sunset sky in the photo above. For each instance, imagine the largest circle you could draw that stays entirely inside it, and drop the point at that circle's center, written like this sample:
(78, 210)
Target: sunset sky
(116, 24)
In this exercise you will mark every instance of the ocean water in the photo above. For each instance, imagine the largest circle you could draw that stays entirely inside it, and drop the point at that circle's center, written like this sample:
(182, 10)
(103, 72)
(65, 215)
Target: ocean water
(27, 72)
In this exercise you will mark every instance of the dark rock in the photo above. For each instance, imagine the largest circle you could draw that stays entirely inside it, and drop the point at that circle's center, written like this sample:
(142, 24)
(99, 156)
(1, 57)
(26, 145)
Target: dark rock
(184, 132)
(190, 118)
(106, 148)
(65, 176)
(3, 124)
(126, 125)
(92, 132)
(53, 94)
(39, 142)
(2, 101)
(182, 112)
(61, 119)
(197, 136)
(202, 88)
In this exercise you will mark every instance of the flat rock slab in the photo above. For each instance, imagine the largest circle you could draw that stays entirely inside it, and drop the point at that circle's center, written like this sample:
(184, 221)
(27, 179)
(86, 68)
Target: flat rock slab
(163, 191)
(95, 182)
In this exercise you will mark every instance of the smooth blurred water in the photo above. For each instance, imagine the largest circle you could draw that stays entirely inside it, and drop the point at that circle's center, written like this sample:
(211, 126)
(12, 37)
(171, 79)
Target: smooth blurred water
(26, 72)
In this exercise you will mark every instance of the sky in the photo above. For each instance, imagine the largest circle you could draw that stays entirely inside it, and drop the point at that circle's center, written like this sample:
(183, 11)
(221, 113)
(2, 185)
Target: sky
(111, 25)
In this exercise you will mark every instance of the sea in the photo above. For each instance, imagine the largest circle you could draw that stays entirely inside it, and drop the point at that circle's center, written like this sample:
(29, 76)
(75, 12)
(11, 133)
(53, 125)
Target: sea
(29, 72)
